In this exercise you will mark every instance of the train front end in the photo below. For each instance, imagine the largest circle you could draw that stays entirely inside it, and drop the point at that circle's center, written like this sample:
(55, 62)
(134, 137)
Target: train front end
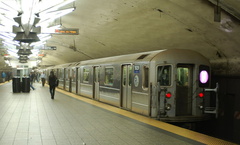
(178, 82)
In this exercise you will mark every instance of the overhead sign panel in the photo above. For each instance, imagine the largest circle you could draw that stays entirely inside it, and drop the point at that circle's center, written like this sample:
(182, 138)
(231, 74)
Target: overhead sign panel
(50, 47)
(44, 47)
(67, 31)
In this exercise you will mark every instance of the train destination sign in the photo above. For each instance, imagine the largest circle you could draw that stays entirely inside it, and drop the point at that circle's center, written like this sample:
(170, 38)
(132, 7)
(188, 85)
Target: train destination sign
(67, 31)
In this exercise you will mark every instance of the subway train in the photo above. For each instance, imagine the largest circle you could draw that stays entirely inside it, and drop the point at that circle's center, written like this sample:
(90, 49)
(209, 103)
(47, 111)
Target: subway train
(167, 85)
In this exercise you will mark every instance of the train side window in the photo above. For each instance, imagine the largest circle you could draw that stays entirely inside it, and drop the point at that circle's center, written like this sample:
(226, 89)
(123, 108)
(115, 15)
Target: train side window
(124, 75)
(69, 74)
(97, 74)
(108, 76)
(65, 74)
(61, 74)
(86, 75)
(164, 75)
(145, 77)
(74, 74)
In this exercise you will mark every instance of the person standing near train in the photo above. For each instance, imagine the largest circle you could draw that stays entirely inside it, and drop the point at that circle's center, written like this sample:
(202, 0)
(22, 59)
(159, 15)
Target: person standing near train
(52, 79)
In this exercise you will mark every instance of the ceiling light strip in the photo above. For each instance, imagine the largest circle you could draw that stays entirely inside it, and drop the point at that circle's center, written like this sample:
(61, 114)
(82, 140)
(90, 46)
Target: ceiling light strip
(57, 15)
(56, 7)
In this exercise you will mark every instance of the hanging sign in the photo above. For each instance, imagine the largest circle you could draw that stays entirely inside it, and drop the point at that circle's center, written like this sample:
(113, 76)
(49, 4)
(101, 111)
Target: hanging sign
(44, 47)
(67, 31)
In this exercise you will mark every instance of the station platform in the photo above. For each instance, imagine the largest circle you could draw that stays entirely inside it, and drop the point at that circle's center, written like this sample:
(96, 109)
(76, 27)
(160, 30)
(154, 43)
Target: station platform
(35, 119)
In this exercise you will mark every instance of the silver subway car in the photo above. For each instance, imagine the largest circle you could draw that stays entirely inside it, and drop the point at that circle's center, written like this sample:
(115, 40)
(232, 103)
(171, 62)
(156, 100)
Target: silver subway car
(167, 84)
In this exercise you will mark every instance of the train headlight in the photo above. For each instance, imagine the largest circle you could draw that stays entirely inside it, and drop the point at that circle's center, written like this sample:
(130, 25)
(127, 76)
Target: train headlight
(204, 75)
(168, 106)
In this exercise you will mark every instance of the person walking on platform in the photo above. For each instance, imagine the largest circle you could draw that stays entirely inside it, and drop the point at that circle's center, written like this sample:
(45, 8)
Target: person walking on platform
(52, 79)
(31, 77)
(43, 78)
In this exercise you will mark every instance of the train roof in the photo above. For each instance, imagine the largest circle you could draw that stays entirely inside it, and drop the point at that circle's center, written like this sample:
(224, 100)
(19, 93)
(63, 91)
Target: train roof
(183, 55)
(143, 56)
(166, 56)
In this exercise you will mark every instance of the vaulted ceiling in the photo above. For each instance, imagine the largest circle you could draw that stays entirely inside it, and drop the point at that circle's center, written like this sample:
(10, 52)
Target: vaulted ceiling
(116, 27)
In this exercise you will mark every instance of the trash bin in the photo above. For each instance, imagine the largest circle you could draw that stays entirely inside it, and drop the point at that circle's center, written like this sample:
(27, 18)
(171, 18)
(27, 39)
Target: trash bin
(26, 84)
(16, 85)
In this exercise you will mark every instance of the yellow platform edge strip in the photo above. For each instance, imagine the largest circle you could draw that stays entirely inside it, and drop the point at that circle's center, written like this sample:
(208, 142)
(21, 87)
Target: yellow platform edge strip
(159, 124)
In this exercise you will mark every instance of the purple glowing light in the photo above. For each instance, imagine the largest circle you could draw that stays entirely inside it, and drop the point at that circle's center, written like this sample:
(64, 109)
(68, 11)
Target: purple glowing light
(204, 76)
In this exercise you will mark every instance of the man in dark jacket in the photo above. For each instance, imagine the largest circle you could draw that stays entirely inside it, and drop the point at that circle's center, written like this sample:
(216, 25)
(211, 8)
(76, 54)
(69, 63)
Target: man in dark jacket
(52, 79)
(31, 77)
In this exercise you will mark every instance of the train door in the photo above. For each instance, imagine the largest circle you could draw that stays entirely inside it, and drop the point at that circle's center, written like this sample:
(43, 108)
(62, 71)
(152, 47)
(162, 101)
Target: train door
(69, 79)
(126, 95)
(67, 75)
(76, 80)
(64, 78)
(73, 81)
(79, 81)
(184, 89)
(163, 86)
(96, 76)
(60, 78)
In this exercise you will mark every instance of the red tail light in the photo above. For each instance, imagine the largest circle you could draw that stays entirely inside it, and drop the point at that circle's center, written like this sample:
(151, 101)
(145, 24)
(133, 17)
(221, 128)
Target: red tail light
(201, 95)
(168, 95)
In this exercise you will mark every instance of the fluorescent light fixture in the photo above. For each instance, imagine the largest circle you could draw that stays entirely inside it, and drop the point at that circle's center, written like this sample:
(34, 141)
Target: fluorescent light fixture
(42, 36)
(32, 56)
(7, 21)
(10, 6)
(3, 10)
(6, 36)
(34, 53)
(7, 12)
(50, 29)
(42, 42)
(28, 16)
(38, 43)
(12, 53)
(55, 27)
(10, 43)
(56, 7)
(10, 47)
(13, 48)
(54, 15)
(45, 38)
(7, 28)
